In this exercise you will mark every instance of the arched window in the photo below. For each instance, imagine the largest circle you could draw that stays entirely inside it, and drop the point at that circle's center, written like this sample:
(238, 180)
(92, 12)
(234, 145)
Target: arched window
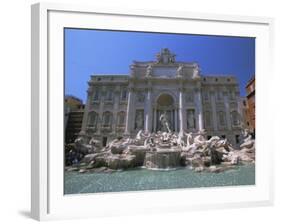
(235, 118)
(140, 97)
(107, 119)
(93, 119)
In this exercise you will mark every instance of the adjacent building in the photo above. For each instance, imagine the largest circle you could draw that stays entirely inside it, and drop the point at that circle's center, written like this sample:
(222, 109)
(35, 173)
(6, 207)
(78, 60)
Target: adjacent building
(74, 112)
(120, 105)
(250, 116)
(243, 108)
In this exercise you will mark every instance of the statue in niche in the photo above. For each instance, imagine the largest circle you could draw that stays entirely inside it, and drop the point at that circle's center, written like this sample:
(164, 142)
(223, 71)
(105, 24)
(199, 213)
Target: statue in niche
(165, 124)
(190, 119)
(140, 97)
(139, 120)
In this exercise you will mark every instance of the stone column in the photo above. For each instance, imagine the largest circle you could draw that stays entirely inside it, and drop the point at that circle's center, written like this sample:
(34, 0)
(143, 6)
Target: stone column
(227, 112)
(100, 113)
(154, 119)
(181, 121)
(148, 112)
(214, 111)
(199, 109)
(176, 119)
(115, 110)
(129, 117)
(173, 120)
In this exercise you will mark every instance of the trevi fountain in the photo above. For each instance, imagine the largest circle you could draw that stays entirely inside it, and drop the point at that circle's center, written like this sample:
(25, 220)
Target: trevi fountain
(161, 160)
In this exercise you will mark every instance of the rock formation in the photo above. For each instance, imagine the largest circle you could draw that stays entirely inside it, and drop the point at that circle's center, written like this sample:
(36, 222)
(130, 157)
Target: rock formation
(161, 150)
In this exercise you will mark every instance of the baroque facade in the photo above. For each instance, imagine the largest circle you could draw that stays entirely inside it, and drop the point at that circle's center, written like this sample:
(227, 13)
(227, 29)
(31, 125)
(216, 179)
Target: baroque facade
(120, 105)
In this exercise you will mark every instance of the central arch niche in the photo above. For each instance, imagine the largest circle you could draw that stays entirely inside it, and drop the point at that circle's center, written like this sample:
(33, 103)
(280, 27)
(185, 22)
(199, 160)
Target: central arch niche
(165, 100)
(165, 103)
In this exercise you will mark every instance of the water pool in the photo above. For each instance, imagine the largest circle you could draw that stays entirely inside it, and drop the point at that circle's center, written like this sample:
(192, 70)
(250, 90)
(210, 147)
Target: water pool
(143, 179)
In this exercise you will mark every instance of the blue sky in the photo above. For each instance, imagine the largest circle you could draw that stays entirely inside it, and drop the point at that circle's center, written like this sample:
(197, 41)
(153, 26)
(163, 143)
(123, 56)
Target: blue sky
(90, 52)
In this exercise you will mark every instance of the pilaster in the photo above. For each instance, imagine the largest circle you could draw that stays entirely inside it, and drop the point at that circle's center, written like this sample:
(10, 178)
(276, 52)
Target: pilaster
(214, 111)
(199, 110)
(181, 119)
(129, 118)
(154, 119)
(101, 105)
(176, 120)
(115, 110)
(227, 111)
(148, 111)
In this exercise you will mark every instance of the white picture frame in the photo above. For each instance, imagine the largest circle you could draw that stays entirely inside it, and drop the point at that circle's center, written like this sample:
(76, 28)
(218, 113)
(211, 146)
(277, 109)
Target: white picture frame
(48, 201)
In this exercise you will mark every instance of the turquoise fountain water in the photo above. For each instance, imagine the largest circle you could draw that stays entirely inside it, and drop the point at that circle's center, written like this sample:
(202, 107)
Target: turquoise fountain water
(143, 179)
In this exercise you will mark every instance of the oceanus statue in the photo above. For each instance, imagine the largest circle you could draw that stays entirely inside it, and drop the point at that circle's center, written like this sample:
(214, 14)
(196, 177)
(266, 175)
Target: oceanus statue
(165, 122)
